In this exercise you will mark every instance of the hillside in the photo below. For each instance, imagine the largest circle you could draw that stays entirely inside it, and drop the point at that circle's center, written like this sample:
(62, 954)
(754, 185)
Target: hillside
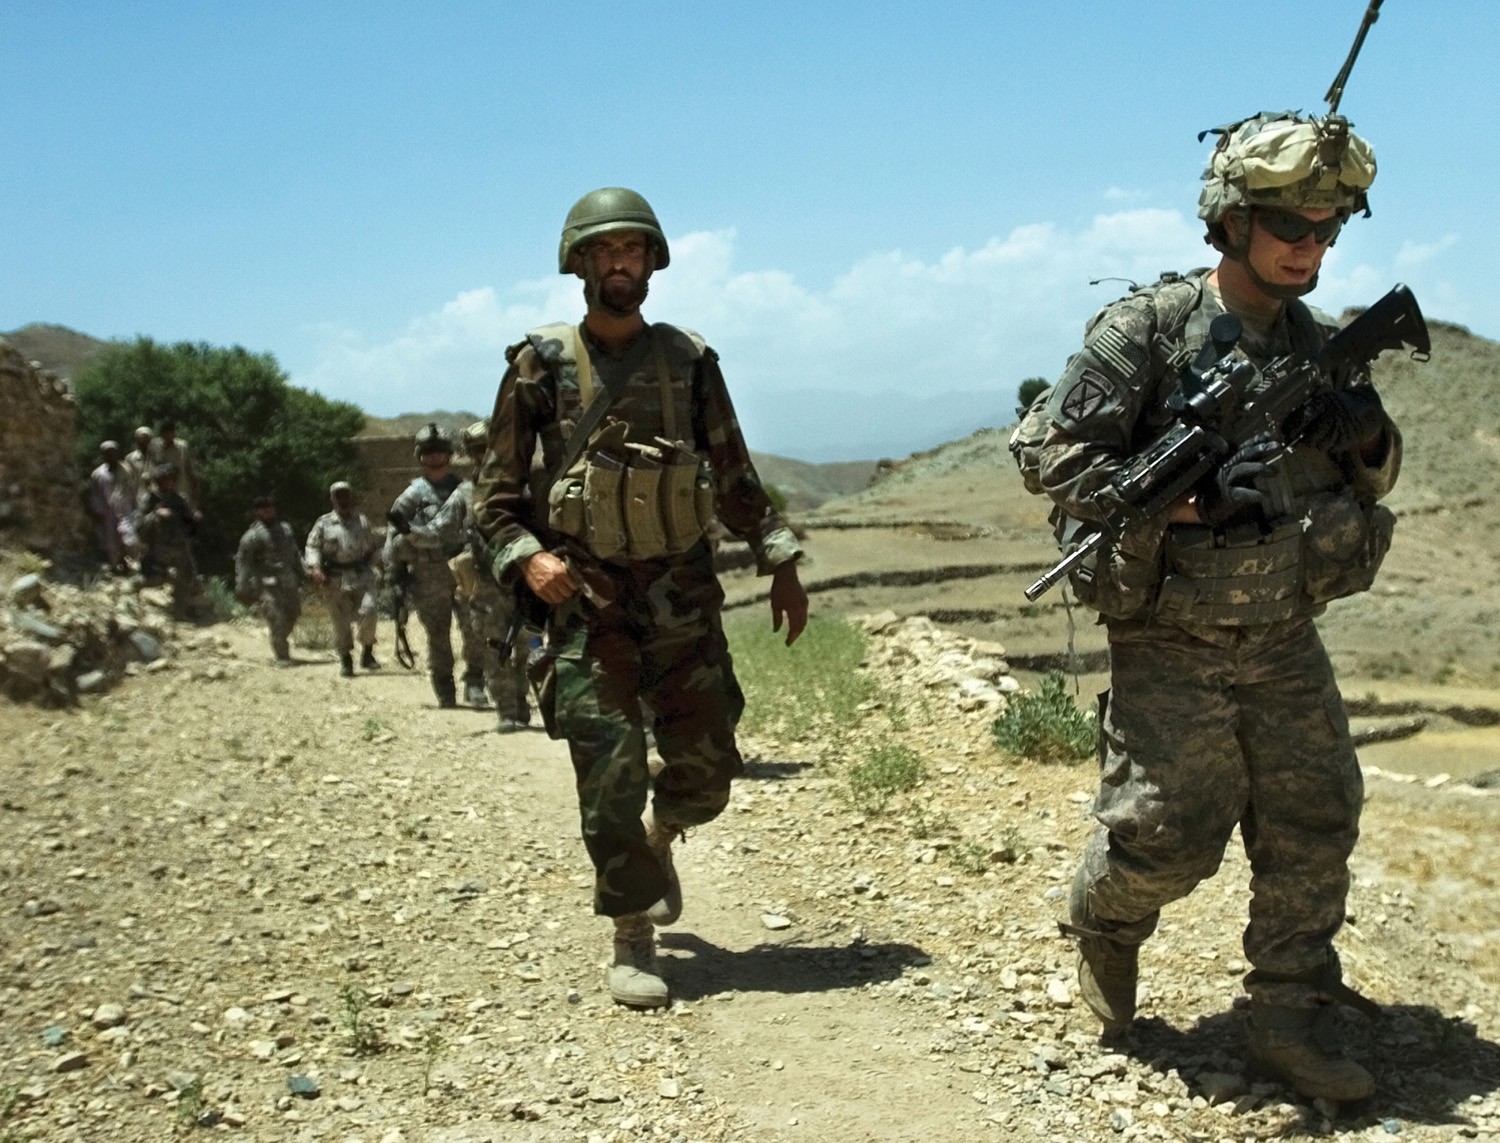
(59, 349)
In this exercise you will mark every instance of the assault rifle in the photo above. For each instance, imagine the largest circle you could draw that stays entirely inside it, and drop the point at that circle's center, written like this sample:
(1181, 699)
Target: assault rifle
(1219, 405)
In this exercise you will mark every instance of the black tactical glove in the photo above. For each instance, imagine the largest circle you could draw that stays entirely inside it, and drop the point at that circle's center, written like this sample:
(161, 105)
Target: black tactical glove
(396, 520)
(1233, 489)
(1339, 419)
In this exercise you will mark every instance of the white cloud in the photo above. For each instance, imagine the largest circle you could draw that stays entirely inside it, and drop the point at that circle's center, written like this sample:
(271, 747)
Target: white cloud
(971, 320)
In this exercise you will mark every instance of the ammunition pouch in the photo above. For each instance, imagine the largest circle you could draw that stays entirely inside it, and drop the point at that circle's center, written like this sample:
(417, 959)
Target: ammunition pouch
(1233, 577)
(1114, 582)
(1345, 544)
(652, 502)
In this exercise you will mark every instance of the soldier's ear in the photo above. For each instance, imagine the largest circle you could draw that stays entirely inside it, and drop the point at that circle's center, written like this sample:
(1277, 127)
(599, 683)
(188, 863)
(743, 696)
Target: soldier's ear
(575, 264)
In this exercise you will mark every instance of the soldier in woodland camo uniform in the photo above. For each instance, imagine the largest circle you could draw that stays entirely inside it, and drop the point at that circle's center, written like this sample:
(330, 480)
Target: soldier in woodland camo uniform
(268, 574)
(341, 553)
(1223, 709)
(485, 612)
(615, 547)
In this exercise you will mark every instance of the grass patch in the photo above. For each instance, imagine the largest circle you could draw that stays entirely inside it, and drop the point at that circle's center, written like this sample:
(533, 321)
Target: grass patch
(314, 631)
(813, 688)
(1047, 726)
(890, 769)
(373, 726)
(221, 594)
(354, 1006)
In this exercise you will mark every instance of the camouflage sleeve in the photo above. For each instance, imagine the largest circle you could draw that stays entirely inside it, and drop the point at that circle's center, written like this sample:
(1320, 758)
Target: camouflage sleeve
(503, 511)
(312, 552)
(398, 548)
(739, 498)
(246, 562)
(1094, 409)
(445, 531)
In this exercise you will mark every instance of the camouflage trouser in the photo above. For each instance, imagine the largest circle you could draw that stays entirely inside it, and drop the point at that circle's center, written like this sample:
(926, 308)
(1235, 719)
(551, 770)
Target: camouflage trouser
(351, 599)
(660, 644)
(1243, 726)
(280, 605)
(432, 599)
(162, 563)
(471, 638)
(488, 613)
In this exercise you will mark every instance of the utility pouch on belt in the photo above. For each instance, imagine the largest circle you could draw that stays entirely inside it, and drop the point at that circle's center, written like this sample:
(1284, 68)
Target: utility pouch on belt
(1233, 577)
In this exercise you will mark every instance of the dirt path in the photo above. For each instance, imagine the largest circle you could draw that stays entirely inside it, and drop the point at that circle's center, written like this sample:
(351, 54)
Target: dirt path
(233, 855)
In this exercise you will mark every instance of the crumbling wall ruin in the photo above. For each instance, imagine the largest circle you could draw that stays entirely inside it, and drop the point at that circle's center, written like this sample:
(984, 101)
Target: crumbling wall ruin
(41, 495)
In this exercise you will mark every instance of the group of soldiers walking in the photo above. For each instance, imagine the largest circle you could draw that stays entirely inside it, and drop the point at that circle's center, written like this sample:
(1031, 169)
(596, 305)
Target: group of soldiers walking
(1223, 711)
(428, 530)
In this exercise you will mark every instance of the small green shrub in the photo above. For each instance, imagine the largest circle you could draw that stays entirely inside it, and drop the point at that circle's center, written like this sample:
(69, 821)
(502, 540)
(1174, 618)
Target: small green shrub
(354, 1003)
(890, 769)
(373, 727)
(1047, 726)
(221, 595)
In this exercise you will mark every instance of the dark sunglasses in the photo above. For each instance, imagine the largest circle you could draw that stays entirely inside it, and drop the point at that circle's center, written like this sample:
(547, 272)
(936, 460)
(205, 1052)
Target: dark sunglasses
(1290, 227)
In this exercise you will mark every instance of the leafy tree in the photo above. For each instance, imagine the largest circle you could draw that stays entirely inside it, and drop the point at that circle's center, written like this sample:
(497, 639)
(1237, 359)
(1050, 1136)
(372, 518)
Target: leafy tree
(1029, 390)
(250, 432)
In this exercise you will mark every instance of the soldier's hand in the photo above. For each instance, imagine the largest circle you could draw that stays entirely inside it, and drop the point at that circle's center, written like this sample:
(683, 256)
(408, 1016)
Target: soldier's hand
(789, 600)
(317, 576)
(548, 577)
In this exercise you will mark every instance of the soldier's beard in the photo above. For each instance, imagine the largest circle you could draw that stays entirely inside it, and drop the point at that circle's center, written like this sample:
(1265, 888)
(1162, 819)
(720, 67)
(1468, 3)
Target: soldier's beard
(619, 295)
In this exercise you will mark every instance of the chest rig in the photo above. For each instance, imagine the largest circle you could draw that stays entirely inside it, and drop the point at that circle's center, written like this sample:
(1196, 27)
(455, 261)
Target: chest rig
(638, 490)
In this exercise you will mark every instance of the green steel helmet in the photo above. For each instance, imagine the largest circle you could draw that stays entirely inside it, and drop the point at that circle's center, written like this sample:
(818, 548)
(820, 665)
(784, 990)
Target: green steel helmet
(476, 437)
(607, 209)
(432, 437)
(1282, 159)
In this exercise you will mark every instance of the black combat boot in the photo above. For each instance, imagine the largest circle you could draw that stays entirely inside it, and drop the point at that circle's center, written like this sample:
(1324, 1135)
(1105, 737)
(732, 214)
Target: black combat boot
(447, 693)
(346, 666)
(367, 660)
(1107, 968)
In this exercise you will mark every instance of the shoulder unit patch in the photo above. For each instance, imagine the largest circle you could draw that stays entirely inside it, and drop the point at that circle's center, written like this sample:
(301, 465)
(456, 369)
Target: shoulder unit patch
(1087, 396)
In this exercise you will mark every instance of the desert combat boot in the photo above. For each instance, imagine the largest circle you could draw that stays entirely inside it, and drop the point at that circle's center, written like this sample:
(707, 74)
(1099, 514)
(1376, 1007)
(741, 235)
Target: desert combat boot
(633, 977)
(1301, 1046)
(1107, 968)
(659, 839)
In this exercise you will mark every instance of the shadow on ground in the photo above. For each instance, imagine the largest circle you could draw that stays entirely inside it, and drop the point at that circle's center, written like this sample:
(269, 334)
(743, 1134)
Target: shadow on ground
(708, 969)
(1427, 1065)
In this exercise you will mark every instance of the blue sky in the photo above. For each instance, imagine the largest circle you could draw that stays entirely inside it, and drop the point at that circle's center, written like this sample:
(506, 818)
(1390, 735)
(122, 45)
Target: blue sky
(883, 214)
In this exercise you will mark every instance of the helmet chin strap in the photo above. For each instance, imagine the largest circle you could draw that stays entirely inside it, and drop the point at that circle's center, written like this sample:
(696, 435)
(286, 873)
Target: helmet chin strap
(1271, 290)
(1218, 238)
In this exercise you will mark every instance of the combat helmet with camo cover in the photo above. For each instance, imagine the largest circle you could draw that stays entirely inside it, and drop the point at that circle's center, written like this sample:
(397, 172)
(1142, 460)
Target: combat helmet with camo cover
(432, 437)
(609, 209)
(476, 437)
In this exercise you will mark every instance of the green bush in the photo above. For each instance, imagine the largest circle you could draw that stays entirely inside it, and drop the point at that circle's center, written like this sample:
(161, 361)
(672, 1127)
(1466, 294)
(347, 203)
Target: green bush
(1047, 726)
(812, 687)
(890, 769)
(249, 431)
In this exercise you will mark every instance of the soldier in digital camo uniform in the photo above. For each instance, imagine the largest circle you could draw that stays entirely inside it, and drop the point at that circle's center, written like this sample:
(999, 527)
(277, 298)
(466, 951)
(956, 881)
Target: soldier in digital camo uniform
(268, 574)
(340, 554)
(1223, 709)
(616, 547)
(484, 611)
(431, 589)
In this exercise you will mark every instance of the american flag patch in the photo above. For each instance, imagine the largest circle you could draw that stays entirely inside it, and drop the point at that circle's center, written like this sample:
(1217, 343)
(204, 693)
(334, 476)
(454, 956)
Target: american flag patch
(1117, 351)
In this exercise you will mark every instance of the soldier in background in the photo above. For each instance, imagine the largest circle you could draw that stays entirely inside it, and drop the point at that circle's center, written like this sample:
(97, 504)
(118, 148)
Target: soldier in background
(1222, 709)
(169, 448)
(431, 583)
(268, 573)
(340, 555)
(110, 503)
(137, 465)
(486, 613)
(615, 547)
(166, 526)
